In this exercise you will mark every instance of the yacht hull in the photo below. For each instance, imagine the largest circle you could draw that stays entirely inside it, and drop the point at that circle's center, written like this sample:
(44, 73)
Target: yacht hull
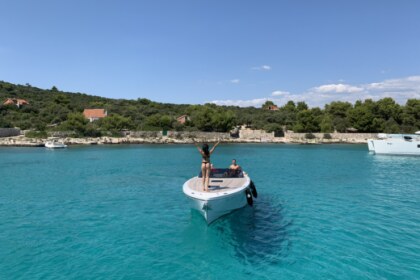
(394, 147)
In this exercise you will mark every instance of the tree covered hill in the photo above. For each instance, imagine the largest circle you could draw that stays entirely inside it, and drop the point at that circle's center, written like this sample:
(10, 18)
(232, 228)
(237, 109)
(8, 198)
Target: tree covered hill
(53, 109)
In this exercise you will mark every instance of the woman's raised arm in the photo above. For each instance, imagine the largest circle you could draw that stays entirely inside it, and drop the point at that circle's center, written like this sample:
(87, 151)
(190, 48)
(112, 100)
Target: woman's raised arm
(214, 147)
(197, 146)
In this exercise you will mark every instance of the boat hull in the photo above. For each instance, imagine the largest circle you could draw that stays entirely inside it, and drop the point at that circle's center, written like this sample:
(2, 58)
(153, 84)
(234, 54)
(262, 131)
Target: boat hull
(226, 194)
(215, 208)
(394, 147)
(371, 147)
(55, 147)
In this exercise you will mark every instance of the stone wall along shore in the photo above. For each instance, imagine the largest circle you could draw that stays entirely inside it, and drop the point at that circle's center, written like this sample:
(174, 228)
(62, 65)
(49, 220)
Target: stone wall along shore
(325, 137)
(184, 137)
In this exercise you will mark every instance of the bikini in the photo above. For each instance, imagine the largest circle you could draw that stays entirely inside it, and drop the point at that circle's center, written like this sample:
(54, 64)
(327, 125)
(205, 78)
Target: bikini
(206, 159)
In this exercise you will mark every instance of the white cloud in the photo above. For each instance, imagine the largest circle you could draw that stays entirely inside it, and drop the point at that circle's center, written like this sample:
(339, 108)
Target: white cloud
(280, 93)
(262, 68)
(338, 88)
(257, 102)
(397, 85)
(235, 81)
(412, 79)
(399, 89)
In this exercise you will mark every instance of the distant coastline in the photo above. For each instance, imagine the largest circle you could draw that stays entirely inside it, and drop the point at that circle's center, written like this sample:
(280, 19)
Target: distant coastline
(46, 111)
(251, 136)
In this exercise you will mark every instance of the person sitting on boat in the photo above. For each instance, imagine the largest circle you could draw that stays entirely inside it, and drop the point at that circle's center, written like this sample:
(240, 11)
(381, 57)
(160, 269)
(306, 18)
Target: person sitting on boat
(205, 163)
(234, 168)
(234, 165)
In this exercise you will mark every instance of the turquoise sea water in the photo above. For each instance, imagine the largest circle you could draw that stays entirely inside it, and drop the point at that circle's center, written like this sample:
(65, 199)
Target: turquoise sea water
(118, 212)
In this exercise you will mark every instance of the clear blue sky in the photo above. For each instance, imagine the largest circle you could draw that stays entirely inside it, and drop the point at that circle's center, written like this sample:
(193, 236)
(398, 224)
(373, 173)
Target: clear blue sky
(231, 52)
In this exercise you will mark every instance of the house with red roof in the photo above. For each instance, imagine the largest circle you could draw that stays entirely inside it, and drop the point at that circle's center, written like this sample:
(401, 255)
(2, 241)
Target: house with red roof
(272, 108)
(183, 119)
(95, 114)
(15, 101)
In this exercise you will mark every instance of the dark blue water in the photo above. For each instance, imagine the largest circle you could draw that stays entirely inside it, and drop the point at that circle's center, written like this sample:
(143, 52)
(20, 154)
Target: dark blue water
(118, 212)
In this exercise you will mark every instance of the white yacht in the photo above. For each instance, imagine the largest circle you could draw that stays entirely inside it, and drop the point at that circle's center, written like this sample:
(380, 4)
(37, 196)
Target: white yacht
(396, 144)
(53, 143)
(228, 190)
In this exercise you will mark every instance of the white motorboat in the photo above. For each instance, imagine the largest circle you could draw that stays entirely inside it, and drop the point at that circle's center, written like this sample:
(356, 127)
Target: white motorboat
(53, 143)
(228, 190)
(395, 144)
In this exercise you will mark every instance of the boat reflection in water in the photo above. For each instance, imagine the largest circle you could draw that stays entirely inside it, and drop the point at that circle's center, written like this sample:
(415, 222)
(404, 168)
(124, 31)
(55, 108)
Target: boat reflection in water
(260, 235)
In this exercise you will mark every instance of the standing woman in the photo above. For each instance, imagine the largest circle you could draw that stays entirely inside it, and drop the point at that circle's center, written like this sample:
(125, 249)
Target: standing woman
(205, 163)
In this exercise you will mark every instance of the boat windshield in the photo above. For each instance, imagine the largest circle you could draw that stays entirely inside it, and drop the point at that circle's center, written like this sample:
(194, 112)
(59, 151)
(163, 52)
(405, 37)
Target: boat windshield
(224, 173)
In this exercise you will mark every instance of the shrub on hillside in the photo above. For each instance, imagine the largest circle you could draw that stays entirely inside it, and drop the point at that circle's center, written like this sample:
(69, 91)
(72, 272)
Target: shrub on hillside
(36, 134)
(310, 136)
(327, 136)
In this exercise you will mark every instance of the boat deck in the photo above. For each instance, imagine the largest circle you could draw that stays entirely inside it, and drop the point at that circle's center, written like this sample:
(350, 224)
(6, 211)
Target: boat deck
(217, 185)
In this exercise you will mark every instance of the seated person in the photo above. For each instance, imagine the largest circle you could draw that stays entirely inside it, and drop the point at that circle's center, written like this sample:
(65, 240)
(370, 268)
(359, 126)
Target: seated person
(234, 168)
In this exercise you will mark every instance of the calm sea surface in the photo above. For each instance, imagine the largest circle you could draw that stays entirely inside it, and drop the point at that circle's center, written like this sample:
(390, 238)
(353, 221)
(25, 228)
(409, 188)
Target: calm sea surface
(118, 212)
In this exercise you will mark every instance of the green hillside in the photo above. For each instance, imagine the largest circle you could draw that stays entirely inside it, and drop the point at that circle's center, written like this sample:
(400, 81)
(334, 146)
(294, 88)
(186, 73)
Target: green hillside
(53, 109)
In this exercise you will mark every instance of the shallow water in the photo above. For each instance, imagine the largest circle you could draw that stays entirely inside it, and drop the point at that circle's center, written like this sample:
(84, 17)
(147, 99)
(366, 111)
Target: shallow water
(118, 212)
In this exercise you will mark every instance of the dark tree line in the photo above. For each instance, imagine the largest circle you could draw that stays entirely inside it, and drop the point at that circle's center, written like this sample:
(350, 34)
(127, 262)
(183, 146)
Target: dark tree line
(56, 110)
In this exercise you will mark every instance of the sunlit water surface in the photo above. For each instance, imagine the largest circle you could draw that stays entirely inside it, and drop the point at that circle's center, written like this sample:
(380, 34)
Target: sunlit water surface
(118, 212)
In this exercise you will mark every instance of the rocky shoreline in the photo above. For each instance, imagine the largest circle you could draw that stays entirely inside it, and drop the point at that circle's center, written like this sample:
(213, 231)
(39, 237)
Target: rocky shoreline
(22, 141)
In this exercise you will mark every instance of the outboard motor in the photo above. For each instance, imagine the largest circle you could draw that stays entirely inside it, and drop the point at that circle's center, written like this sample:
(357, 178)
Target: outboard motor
(249, 197)
(253, 189)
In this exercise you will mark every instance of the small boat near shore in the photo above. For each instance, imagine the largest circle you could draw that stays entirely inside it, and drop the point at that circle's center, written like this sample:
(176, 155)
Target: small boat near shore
(228, 190)
(53, 143)
(395, 144)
